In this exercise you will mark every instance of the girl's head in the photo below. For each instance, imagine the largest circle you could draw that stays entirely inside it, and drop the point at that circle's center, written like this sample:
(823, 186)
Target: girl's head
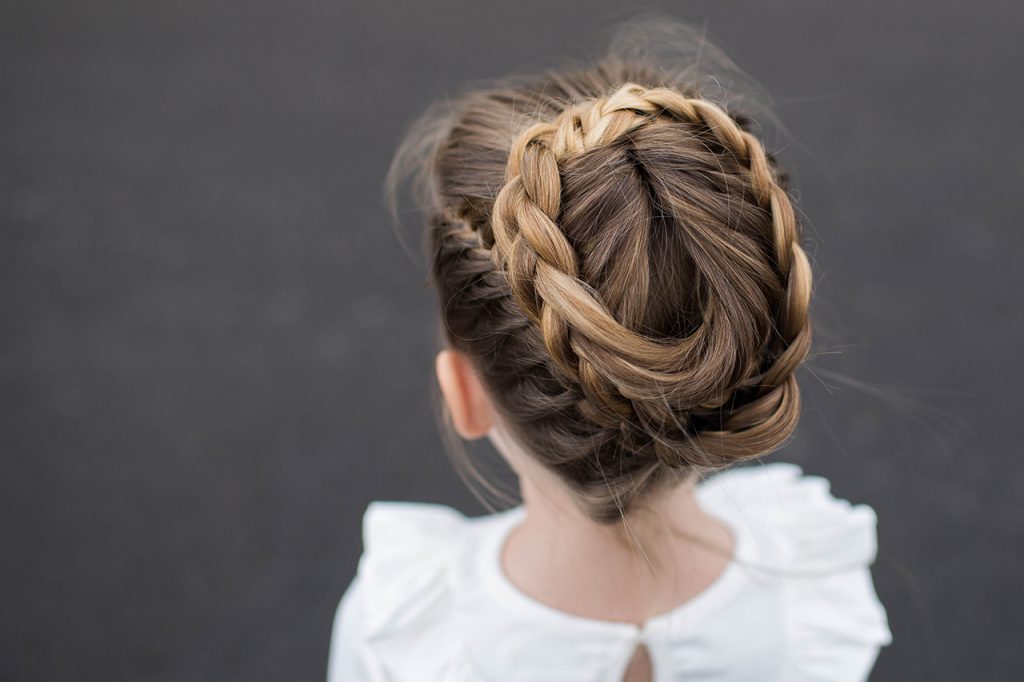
(617, 260)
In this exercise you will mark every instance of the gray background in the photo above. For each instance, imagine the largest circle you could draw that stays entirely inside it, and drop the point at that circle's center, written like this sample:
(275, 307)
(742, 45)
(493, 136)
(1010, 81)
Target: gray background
(214, 351)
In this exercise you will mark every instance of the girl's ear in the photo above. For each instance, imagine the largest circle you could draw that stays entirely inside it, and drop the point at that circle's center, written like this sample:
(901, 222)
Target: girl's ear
(470, 407)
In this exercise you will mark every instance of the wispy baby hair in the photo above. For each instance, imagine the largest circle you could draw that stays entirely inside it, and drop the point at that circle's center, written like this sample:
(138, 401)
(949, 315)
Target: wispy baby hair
(619, 256)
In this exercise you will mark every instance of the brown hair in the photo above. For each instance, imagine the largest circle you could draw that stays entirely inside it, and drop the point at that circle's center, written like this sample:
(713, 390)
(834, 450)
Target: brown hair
(619, 256)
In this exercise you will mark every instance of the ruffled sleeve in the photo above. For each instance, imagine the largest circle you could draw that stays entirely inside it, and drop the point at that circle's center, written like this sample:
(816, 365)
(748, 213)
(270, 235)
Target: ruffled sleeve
(837, 622)
(825, 548)
(406, 560)
(393, 622)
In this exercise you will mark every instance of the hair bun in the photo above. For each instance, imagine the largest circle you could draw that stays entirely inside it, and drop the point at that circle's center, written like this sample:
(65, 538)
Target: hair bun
(620, 258)
(623, 373)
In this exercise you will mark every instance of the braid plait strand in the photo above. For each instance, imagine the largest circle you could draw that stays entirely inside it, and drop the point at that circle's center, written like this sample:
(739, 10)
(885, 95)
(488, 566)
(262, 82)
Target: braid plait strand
(615, 366)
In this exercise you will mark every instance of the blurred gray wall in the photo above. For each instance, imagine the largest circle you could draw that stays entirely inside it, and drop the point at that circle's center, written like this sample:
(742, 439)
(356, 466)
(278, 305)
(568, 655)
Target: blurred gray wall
(214, 351)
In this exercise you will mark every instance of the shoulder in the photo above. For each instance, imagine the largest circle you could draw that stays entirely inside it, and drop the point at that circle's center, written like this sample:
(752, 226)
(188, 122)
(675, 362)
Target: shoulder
(817, 550)
(395, 620)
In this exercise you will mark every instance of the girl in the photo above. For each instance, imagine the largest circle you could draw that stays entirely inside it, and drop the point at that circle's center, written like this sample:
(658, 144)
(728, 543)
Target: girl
(625, 303)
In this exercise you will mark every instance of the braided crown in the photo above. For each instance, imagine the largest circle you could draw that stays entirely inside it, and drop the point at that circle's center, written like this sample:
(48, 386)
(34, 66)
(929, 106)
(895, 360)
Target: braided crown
(616, 366)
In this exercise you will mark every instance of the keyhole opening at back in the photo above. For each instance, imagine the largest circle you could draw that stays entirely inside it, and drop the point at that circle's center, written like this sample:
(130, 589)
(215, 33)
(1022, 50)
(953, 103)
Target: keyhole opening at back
(639, 668)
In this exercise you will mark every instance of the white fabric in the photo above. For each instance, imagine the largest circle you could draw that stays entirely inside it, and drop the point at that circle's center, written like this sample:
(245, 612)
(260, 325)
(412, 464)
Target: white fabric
(431, 603)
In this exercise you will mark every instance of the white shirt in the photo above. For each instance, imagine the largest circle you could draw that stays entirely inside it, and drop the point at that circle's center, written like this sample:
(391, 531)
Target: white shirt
(431, 603)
